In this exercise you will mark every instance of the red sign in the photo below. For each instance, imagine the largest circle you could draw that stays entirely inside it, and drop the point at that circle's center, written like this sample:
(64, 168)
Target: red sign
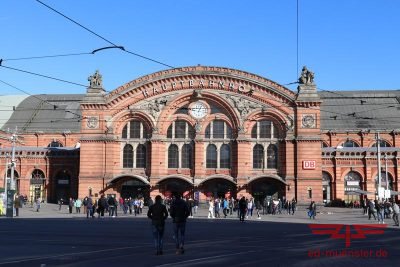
(336, 232)
(309, 164)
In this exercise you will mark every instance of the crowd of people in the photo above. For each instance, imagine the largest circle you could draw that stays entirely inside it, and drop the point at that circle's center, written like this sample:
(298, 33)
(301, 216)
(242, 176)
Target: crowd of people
(110, 205)
(381, 210)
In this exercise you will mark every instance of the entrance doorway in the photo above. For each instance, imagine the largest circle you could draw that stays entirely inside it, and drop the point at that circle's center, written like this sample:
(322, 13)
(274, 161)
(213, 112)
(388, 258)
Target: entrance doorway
(135, 188)
(176, 186)
(219, 188)
(267, 188)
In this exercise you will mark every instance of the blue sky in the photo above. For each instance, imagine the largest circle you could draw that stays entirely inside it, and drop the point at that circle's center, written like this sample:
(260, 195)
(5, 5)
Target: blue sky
(350, 45)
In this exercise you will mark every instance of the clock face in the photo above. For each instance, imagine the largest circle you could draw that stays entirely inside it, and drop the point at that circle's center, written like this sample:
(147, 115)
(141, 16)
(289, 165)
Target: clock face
(198, 110)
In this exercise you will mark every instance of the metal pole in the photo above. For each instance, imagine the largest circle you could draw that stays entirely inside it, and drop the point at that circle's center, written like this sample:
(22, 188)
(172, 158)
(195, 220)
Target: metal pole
(12, 182)
(5, 182)
(386, 173)
(378, 147)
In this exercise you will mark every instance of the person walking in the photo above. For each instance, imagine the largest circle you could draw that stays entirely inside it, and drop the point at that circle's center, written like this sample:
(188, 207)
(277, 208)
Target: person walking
(17, 205)
(38, 201)
(60, 203)
(371, 210)
(158, 214)
(78, 204)
(242, 208)
(111, 206)
(70, 204)
(379, 211)
(179, 214)
(101, 205)
(89, 207)
(396, 212)
(211, 209)
(293, 206)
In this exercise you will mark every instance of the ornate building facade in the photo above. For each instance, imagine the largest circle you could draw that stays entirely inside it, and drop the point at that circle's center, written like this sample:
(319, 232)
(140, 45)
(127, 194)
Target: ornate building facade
(203, 131)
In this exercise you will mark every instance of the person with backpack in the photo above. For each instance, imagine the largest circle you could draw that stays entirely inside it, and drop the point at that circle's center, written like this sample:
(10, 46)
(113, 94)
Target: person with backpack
(179, 213)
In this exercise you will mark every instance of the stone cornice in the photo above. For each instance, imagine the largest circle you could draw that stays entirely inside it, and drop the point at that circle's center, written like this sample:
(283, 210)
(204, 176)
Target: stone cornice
(310, 138)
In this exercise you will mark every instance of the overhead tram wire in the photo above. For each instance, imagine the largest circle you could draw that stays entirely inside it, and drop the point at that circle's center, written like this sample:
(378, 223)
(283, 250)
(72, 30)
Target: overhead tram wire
(64, 55)
(42, 75)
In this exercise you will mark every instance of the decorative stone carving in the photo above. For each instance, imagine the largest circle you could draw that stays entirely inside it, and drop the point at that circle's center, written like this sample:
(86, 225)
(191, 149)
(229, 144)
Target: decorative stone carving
(197, 127)
(92, 122)
(308, 121)
(242, 105)
(96, 80)
(155, 106)
(289, 122)
(306, 77)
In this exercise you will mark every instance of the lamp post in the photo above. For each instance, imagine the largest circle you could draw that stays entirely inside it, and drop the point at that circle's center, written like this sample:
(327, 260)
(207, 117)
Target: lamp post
(386, 173)
(378, 148)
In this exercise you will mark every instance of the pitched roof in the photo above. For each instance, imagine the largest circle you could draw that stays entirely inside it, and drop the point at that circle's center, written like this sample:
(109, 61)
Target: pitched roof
(47, 113)
(356, 110)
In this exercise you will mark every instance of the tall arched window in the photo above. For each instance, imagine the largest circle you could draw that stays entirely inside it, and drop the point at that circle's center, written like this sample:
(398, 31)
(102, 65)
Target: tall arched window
(211, 156)
(225, 157)
(173, 156)
(180, 129)
(218, 129)
(258, 157)
(141, 156)
(272, 157)
(128, 157)
(264, 129)
(384, 180)
(134, 129)
(135, 134)
(187, 156)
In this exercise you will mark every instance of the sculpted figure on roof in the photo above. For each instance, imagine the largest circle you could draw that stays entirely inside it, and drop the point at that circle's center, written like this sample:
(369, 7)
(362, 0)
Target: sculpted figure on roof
(96, 80)
(306, 77)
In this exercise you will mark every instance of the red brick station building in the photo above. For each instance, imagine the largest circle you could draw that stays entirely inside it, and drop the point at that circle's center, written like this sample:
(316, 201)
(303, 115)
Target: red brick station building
(204, 131)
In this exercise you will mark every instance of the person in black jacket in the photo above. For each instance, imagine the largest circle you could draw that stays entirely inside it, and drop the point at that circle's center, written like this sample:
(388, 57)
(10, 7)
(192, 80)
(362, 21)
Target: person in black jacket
(242, 208)
(158, 214)
(179, 213)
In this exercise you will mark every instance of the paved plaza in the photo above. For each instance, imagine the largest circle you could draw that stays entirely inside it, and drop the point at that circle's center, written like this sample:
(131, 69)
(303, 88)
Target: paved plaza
(56, 238)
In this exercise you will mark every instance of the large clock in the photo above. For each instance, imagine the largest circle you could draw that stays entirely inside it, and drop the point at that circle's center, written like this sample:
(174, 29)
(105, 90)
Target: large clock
(198, 110)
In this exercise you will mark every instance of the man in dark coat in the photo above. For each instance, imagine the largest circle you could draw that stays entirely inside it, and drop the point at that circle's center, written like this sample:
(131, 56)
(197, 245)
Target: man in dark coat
(158, 214)
(179, 213)
(242, 208)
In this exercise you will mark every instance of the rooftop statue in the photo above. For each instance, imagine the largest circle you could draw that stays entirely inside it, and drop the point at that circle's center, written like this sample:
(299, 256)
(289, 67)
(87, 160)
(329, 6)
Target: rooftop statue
(96, 80)
(306, 77)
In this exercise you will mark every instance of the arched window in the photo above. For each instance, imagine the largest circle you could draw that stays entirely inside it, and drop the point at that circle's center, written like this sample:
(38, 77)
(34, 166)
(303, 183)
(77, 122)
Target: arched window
(272, 157)
(37, 174)
(141, 156)
(264, 129)
(384, 180)
(55, 143)
(134, 129)
(187, 156)
(211, 157)
(16, 175)
(128, 157)
(382, 143)
(350, 143)
(218, 129)
(258, 157)
(173, 156)
(225, 157)
(180, 129)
